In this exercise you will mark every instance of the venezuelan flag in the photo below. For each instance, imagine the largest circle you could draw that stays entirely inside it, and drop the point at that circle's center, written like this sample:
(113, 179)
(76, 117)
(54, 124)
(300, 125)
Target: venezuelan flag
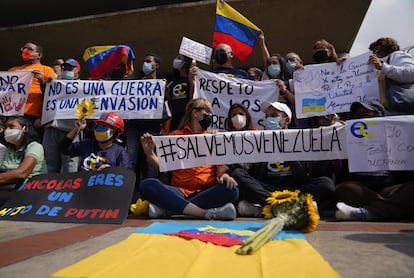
(102, 59)
(313, 105)
(235, 30)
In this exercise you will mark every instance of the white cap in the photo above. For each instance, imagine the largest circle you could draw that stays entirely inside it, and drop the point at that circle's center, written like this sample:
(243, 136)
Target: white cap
(278, 105)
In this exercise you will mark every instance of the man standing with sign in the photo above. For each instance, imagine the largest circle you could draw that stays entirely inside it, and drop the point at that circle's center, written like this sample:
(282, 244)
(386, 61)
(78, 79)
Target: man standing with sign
(31, 54)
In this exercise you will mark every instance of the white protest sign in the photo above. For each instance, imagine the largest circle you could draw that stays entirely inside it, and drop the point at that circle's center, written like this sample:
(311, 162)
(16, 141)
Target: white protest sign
(14, 90)
(131, 99)
(195, 50)
(330, 88)
(379, 144)
(222, 91)
(186, 151)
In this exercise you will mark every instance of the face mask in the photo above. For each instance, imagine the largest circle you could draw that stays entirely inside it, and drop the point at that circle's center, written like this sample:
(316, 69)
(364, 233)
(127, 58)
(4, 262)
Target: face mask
(320, 56)
(27, 54)
(117, 74)
(147, 68)
(102, 134)
(68, 75)
(239, 121)
(178, 64)
(205, 122)
(272, 123)
(12, 136)
(273, 70)
(291, 66)
(221, 57)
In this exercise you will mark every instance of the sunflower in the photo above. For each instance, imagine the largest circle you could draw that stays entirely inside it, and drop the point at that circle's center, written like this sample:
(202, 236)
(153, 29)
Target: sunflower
(279, 197)
(139, 208)
(85, 108)
(289, 210)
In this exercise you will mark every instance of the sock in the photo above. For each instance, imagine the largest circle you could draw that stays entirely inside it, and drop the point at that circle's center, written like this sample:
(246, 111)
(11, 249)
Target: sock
(346, 212)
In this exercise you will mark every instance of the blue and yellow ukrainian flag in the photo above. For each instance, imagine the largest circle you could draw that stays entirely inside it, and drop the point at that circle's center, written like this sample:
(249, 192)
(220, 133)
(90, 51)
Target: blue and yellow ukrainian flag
(102, 59)
(235, 30)
(313, 105)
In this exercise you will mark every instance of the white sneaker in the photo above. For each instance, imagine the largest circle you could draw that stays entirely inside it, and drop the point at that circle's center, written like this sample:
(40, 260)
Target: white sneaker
(157, 212)
(246, 209)
(226, 212)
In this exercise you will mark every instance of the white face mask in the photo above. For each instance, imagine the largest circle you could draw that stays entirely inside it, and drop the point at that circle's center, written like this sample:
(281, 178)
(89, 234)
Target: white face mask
(12, 135)
(239, 121)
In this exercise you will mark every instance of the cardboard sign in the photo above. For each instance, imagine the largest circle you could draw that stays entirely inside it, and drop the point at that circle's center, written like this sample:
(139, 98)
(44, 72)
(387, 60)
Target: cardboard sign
(83, 197)
(195, 50)
(14, 91)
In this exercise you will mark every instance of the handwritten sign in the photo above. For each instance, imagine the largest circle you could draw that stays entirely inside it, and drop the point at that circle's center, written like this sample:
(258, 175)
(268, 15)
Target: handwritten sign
(222, 91)
(131, 99)
(195, 50)
(83, 197)
(378, 144)
(177, 152)
(330, 88)
(14, 90)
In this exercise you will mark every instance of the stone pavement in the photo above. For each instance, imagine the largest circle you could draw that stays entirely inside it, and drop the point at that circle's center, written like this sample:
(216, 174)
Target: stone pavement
(353, 249)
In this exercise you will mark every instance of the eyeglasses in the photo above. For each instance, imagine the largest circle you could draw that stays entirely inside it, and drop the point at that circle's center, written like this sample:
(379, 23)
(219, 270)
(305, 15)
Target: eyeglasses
(28, 48)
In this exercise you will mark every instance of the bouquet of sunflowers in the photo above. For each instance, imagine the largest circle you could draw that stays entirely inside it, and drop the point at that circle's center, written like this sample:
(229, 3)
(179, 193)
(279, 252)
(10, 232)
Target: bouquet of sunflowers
(289, 210)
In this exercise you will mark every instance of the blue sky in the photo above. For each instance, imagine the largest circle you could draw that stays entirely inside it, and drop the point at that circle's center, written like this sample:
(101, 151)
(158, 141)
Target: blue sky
(386, 18)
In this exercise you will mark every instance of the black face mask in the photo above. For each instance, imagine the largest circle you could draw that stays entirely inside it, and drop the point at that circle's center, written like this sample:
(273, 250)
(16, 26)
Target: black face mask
(117, 74)
(320, 56)
(221, 57)
(205, 122)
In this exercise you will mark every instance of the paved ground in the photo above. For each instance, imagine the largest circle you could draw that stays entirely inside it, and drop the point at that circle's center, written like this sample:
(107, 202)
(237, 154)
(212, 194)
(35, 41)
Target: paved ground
(354, 249)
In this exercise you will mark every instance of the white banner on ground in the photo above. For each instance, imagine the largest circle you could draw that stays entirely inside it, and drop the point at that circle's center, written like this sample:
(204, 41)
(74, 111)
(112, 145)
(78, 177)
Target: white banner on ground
(222, 91)
(131, 99)
(378, 144)
(330, 88)
(14, 90)
(178, 152)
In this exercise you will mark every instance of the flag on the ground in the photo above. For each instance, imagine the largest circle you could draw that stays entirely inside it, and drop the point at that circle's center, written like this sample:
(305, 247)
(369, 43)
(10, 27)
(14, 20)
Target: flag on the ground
(235, 30)
(102, 59)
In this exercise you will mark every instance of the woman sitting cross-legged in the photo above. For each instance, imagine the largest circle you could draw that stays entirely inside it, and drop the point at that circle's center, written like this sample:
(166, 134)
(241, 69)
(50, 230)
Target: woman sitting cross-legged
(203, 191)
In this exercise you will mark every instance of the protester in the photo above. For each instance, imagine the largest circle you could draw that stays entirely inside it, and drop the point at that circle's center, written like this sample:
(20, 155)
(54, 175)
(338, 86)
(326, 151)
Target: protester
(361, 188)
(201, 192)
(398, 68)
(24, 157)
(223, 56)
(257, 183)
(31, 54)
(56, 130)
(178, 90)
(102, 151)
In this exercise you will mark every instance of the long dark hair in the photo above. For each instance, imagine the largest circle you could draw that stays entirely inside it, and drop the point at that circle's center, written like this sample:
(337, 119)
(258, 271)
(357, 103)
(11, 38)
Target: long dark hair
(249, 122)
(30, 134)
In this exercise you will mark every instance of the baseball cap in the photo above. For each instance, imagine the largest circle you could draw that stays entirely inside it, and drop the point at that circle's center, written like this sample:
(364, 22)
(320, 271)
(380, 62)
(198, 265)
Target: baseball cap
(371, 105)
(278, 105)
(73, 63)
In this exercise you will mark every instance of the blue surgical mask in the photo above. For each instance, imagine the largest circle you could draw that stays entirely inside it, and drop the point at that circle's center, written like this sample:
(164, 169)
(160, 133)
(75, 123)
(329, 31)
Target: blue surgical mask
(272, 123)
(273, 70)
(178, 64)
(291, 66)
(147, 68)
(68, 75)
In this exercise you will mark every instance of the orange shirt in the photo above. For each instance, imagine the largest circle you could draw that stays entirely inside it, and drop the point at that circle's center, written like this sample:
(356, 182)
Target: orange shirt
(194, 179)
(35, 99)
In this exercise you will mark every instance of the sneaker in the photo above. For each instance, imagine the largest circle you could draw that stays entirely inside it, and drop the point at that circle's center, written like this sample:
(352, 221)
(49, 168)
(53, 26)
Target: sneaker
(246, 209)
(157, 212)
(226, 212)
(346, 212)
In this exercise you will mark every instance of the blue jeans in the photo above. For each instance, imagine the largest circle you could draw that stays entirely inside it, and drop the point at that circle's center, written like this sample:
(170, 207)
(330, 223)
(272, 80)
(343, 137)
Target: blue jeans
(172, 199)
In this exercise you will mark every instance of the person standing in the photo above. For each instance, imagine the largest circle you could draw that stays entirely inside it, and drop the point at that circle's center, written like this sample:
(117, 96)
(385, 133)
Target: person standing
(56, 130)
(32, 54)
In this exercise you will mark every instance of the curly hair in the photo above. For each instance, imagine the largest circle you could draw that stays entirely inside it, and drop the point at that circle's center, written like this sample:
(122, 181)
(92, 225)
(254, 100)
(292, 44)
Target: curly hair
(386, 45)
